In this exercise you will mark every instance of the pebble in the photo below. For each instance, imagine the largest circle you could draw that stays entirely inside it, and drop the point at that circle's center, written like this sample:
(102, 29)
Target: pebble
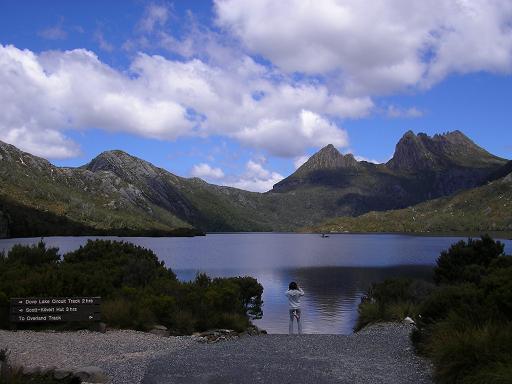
(380, 353)
(122, 355)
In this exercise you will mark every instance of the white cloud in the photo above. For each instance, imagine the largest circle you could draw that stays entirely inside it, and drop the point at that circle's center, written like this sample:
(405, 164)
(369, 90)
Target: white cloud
(54, 33)
(102, 42)
(206, 171)
(55, 91)
(256, 178)
(362, 158)
(345, 52)
(394, 111)
(155, 15)
(376, 47)
(47, 143)
(166, 99)
(290, 136)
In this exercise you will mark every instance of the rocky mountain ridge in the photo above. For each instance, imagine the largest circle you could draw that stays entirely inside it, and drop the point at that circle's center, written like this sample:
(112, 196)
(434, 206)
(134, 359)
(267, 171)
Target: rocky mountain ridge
(118, 192)
(415, 153)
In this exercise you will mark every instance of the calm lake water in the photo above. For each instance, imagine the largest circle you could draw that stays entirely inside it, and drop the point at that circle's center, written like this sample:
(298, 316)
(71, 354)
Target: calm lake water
(334, 272)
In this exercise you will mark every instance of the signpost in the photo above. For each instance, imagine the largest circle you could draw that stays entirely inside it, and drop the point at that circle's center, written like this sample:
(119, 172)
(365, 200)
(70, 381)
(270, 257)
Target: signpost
(55, 309)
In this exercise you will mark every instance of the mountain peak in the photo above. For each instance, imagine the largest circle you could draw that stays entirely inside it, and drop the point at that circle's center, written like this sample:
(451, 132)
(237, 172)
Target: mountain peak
(328, 158)
(121, 164)
(328, 147)
(423, 152)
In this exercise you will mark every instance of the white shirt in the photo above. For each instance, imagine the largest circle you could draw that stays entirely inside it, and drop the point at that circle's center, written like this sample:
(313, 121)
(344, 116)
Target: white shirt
(293, 296)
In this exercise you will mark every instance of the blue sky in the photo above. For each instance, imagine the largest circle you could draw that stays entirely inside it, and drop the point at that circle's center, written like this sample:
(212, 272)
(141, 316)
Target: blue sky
(241, 92)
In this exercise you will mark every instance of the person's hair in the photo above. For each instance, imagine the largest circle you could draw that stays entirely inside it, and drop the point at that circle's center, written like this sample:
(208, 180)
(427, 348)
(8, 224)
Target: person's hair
(293, 285)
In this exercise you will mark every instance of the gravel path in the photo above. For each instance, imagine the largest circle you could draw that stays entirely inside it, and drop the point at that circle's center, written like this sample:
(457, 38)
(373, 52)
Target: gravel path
(123, 355)
(378, 354)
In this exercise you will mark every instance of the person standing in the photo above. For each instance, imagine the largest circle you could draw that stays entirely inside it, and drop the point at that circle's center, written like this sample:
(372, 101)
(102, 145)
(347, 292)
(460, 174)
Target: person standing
(294, 293)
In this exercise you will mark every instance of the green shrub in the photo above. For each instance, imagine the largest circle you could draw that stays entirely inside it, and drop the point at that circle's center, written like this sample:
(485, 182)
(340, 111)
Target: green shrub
(34, 255)
(467, 261)
(497, 288)
(466, 353)
(184, 322)
(138, 291)
(369, 313)
(465, 324)
(392, 300)
(463, 299)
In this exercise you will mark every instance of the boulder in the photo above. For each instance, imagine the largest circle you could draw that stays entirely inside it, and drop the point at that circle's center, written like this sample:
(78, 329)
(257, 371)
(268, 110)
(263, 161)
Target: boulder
(61, 374)
(32, 370)
(101, 327)
(91, 375)
(160, 330)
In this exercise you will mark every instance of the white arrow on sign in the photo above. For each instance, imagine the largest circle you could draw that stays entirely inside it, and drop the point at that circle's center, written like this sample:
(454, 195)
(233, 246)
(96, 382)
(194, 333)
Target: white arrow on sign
(90, 317)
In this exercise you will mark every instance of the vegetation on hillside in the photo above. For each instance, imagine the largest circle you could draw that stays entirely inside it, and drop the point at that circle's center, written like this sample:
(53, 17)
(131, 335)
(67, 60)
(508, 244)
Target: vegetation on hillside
(17, 220)
(486, 208)
(464, 321)
(117, 193)
(137, 290)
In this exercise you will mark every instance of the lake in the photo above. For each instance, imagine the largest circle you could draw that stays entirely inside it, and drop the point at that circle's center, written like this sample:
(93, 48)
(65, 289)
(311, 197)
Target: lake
(334, 272)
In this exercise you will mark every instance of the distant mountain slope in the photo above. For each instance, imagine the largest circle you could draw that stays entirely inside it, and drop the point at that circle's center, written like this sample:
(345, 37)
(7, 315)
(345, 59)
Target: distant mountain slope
(116, 191)
(99, 201)
(119, 193)
(205, 206)
(485, 208)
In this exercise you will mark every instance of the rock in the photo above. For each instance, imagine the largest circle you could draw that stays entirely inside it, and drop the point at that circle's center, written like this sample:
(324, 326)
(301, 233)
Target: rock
(32, 370)
(60, 374)
(215, 335)
(102, 327)
(91, 375)
(408, 320)
(160, 330)
(255, 331)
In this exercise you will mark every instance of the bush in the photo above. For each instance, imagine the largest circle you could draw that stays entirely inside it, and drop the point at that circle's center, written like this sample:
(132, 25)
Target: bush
(464, 324)
(497, 288)
(467, 261)
(137, 290)
(33, 256)
(461, 299)
(465, 353)
(392, 300)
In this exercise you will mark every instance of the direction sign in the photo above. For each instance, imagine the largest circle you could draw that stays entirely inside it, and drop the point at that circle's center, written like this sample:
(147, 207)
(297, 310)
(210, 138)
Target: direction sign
(56, 301)
(65, 317)
(55, 309)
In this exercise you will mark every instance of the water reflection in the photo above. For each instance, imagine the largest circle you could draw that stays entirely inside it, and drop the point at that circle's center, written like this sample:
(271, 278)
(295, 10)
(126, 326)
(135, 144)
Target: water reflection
(332, 293)
(334, 272)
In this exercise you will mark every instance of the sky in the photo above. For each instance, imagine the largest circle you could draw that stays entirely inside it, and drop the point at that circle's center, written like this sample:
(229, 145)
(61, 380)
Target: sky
(242, 92)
